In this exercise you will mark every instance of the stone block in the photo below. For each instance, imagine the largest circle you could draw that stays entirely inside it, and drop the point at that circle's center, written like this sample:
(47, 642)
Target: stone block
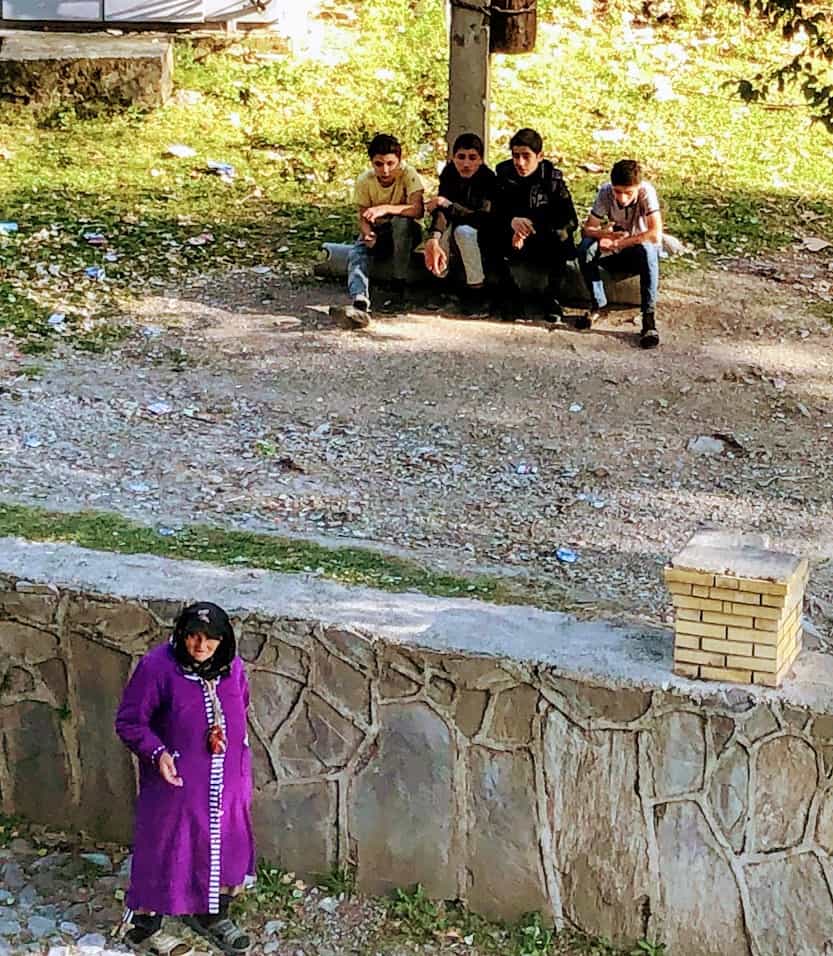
(504, 862)
(401, 807)
(353, 646)
(689, 855)
(729, 794)
(343, 683)
(590, 702)
(393, 685)
(36, 609)
(317, 740)
(786, 780)
(780, 917)
(470, 710)
(513, 713)
(32, 742)
(107, 774)
(677, 753)
(600, 843)
(54, 68)
(296, 826)
(27, 643)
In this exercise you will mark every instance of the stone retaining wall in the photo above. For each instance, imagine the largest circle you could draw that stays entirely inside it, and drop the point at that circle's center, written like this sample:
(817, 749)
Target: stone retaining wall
(508, 757)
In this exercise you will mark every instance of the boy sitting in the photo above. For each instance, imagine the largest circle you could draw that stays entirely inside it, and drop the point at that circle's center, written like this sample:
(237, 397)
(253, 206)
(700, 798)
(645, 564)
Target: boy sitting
(624, 228)
(534, 220)
(460, 218)
(389, 200)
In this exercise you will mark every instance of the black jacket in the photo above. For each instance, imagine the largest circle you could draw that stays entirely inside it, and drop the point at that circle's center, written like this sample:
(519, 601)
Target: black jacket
(542, 197)
(471, 199)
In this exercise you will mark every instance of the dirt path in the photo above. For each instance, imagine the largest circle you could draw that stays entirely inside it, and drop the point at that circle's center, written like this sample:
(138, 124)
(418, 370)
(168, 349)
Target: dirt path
(465, 443)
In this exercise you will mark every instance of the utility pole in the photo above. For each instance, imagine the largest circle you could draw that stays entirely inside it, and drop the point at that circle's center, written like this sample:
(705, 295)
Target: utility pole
(479, 29)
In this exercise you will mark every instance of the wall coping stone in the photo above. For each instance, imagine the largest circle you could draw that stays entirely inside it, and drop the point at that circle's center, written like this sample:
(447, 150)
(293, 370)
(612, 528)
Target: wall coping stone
(608, 655)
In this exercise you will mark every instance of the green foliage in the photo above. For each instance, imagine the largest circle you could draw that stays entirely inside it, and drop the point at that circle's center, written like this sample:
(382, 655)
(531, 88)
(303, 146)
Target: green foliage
(275, 892)
(355, 566)
(340, 881)
(808, 67)
(530, 937)
(733, 177)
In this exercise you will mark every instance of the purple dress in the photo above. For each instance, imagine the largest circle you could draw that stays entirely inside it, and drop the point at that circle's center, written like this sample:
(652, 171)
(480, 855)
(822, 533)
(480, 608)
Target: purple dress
(188, 841)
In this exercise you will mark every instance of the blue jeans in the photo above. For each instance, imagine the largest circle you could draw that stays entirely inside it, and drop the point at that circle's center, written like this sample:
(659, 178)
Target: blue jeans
(396, 238)
(641, 260)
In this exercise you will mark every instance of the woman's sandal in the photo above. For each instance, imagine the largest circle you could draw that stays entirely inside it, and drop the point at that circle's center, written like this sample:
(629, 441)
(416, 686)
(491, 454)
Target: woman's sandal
(223, 933)
(161, 943)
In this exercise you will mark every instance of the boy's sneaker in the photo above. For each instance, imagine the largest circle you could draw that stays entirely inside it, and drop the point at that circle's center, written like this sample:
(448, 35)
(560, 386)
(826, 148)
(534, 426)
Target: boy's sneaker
(552, 309)
(648, 337)
(509, 309)
(361, 304)
(474, 304)
(587, 319)
(396, 301)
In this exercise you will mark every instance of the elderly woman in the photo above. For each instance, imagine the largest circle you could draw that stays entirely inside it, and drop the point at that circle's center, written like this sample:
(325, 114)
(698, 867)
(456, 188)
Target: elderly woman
(183, 714)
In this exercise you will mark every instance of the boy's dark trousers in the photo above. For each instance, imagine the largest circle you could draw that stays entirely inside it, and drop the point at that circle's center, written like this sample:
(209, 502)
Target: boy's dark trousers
(395, 239)
(641, 260)
(543, 252)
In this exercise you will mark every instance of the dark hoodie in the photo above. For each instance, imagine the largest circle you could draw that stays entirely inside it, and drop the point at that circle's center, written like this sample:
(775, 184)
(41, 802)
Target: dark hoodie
(471, 199)
(542, 196)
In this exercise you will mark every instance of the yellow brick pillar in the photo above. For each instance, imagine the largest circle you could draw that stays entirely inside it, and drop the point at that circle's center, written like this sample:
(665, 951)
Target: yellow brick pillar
(737, 609)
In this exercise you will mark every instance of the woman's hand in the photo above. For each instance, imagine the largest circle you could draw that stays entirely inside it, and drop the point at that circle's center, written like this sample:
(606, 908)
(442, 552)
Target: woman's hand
(167, 770)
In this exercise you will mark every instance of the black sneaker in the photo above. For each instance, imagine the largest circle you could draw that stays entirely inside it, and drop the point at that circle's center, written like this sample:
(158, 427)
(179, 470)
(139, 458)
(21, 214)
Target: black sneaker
(361, 304)
(396, 301)
(648, 337)
(509, 309)
(552, 309)
(474, 304)
(588, 319)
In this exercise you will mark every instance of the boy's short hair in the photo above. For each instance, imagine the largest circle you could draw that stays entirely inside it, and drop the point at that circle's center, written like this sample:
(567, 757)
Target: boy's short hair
(382, 144)
(529, 138)
(626, 172)
(468, 141)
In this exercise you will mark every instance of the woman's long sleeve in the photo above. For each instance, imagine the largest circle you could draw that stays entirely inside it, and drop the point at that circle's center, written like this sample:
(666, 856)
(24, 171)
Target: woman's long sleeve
(133, 721)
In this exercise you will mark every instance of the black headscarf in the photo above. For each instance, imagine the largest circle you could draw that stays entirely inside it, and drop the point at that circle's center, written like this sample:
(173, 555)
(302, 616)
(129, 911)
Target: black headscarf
(211, 620)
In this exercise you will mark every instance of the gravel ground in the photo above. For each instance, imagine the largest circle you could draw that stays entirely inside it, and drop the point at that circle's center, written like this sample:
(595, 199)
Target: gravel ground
(468, 444)
(62, 896)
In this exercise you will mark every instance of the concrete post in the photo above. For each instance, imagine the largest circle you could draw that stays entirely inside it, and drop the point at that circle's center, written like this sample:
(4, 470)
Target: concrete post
(468, 71)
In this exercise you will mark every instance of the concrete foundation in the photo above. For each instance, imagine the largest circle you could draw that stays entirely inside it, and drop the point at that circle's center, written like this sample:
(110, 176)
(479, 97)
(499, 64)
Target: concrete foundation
(56, 68)
(509, 757)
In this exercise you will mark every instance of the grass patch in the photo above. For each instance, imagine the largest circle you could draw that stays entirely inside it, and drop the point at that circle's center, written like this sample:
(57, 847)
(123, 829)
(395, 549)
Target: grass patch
(414, 916)
(734, 178)
(105, 531)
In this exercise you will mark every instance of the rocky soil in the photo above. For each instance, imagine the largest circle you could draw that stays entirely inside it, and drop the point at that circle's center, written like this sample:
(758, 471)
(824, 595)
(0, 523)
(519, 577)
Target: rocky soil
(61, 895)
(468, 444)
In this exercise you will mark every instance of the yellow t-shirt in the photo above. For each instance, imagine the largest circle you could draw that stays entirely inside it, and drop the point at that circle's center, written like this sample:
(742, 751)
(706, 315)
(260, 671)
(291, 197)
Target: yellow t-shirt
(370, 192)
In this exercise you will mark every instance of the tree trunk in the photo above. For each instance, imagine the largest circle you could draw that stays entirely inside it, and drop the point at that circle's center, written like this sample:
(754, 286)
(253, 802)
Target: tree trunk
(513, 26)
